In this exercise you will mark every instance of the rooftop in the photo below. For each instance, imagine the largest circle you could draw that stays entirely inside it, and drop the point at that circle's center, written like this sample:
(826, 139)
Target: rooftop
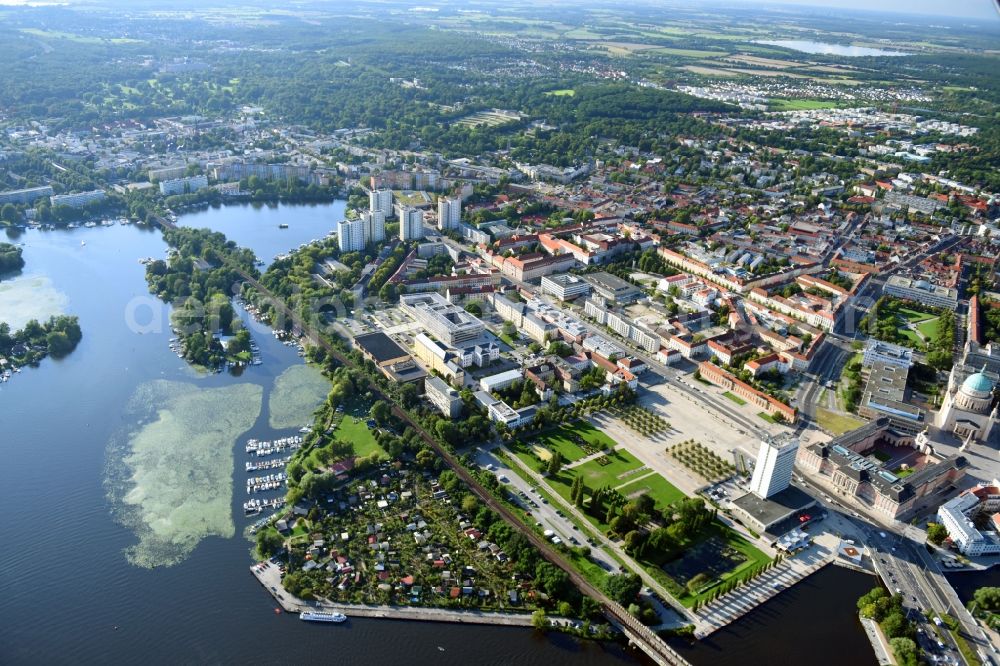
(380, 347)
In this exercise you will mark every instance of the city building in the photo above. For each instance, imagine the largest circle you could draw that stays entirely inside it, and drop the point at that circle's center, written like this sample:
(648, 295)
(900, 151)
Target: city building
(729, 382)
(612, 288)
(884, 352)
(183, 185)
(392, 360)
(886, 396)
(449, 213)
(373, 226)
(922, 291)
(565, 286)
(967, 409)
(775, 462)
(959, 516)
(439, 358)
(381, 201)
(351, 235)
(25, 196)
(444, 320)
(77, 199)
(166, 173)
(411, 223)
(500, 381)
(882, 470)
(443, 396)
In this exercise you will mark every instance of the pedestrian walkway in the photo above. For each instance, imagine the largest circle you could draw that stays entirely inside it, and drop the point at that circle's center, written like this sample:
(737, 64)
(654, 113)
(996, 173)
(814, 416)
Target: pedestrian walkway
(730, 607)
(882, 651)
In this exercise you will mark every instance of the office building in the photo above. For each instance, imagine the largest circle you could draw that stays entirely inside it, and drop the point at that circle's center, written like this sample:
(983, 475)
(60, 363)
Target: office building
(381, 201)
(350, 235)
(449, 213)
(411, 223)
(959, 514)
(445, 321)
(444, 397)
(884, 352)
(565, 287)
(500, 381)
(613, 289)
(775, 462)
(922, 291)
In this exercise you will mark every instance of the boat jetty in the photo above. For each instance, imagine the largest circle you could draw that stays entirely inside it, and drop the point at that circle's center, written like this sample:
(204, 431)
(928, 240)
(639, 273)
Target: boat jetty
(255, 466)
(263, 448)
(260, 484)
(254, 506)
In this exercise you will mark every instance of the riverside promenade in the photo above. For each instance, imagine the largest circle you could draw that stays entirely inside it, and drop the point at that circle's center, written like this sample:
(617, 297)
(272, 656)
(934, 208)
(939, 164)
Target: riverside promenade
(270, 577)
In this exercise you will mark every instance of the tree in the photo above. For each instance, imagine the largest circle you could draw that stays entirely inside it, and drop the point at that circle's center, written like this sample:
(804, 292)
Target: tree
(988, 598)
(936, 533)
(905, 650)
(8, 213)
(380, 412)
(539, 620)
(469, 503)
(474, 309)
(623, 588)
(555, 464)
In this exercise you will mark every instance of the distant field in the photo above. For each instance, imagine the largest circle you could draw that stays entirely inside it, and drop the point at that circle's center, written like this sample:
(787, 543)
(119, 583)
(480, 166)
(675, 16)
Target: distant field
(710, 71)
(802, 104)
(563, 92)
(688, 53)
(757, 61)
(82, 39)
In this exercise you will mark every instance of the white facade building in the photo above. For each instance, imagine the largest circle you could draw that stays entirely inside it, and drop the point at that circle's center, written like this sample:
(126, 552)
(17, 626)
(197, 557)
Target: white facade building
(373, 222)
(411, 223)
(449, 213)
(350, 235)
(381, 201)
(773, 470)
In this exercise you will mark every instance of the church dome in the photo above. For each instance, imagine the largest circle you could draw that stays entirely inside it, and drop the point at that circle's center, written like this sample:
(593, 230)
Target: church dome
(977, 384)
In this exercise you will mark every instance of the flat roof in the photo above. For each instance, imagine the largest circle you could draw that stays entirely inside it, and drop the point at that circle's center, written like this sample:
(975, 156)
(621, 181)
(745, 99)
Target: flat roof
(380, 347)
(775, 508)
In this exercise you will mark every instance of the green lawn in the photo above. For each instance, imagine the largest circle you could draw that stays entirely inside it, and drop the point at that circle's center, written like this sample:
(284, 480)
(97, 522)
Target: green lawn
(735, 398)
(801, 104)
(596, 475)
(359, 436)
(914, 316)
(929, 328)
(835, 423)
(564, 92)
(767, 417)
(662, 491)
(911, 338)
(563, 440)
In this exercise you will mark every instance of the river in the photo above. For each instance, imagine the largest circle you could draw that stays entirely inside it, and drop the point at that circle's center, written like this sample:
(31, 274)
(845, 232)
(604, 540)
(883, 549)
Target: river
(70, 594)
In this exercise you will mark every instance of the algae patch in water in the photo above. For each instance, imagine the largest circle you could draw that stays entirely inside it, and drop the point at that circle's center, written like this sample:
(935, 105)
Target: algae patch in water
(29, 297)
(296, 394)
(170, 475)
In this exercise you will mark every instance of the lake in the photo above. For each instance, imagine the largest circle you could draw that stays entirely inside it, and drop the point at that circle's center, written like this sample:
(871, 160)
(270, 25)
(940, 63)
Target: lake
(89, 526)
(256, 225)
(825, 48)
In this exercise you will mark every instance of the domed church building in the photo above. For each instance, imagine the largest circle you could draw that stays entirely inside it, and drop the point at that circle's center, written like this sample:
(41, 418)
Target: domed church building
(968, 410)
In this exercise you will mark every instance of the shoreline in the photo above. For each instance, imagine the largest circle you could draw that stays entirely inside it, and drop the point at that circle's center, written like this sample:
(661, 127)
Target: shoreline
(269, 576)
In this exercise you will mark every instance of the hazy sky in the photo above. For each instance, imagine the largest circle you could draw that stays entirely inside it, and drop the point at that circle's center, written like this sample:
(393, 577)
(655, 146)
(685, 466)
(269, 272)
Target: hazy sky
(981, 9)
(975, 9)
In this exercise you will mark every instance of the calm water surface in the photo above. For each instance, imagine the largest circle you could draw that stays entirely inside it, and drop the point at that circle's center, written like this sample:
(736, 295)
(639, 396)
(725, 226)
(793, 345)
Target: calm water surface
(825, 48)
(67, 593)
